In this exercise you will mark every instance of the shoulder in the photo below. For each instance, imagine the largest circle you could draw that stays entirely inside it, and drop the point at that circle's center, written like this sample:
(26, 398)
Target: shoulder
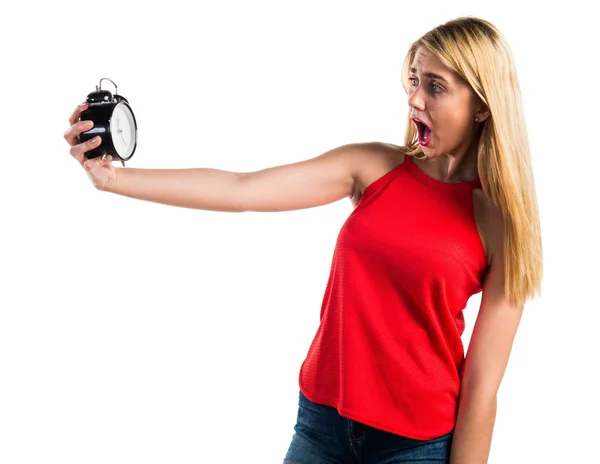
(377, 158)
(372, 151)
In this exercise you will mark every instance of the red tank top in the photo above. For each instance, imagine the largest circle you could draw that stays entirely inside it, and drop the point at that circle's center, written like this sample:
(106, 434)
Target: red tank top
(388, 350)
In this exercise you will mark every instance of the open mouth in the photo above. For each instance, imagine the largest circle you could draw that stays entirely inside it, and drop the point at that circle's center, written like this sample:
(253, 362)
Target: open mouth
(424, 133)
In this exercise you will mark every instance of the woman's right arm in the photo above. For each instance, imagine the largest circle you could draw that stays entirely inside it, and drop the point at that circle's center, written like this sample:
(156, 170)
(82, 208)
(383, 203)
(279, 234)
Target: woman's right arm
(324, 179)
(305, 184)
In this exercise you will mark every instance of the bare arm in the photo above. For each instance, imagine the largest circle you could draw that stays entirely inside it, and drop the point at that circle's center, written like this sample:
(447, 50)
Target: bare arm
(305, 184)
(487, 357)
(318, 181)
(198, 188)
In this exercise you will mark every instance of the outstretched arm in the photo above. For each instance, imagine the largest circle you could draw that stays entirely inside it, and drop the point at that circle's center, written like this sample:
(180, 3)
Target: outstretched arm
(317, 181)
(313, 182)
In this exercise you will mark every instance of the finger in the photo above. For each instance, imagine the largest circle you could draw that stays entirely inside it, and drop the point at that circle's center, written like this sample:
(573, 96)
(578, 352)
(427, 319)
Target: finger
(78, 150)
(71, 135)
(77, 112)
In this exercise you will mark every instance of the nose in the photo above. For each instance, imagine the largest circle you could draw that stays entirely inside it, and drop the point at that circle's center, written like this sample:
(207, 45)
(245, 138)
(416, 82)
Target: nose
(416, 100)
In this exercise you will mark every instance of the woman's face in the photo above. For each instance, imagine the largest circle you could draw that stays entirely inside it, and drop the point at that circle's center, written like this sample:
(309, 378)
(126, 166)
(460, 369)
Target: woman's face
(445, 103)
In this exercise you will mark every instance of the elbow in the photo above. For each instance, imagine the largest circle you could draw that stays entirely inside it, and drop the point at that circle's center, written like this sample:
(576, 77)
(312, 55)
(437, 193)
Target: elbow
(478, 388)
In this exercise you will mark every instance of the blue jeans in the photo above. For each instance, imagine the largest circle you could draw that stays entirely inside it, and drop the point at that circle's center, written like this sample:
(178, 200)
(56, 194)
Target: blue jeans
(322, 436)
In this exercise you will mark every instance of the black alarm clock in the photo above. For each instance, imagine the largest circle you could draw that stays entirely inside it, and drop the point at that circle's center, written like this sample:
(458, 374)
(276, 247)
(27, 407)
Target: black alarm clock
(113, 121)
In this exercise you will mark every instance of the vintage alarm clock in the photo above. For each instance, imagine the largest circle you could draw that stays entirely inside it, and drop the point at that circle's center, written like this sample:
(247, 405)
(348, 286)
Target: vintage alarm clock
(113, 121)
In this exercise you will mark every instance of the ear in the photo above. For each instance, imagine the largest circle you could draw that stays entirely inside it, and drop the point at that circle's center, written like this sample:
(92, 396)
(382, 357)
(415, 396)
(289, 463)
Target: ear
(482, 113)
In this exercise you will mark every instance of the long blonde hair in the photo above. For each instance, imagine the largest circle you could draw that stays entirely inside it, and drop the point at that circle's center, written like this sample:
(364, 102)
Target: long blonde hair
(478, 53)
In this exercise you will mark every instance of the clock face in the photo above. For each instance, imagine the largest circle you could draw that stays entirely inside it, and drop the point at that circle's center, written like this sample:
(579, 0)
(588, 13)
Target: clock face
(123, 130)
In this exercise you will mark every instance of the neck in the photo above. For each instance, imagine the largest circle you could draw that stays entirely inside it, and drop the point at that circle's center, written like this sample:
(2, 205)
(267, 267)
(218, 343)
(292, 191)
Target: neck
(459, 167)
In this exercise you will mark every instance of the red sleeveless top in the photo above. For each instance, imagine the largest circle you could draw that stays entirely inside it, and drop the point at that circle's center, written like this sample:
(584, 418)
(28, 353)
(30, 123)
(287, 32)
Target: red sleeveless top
(388, 350)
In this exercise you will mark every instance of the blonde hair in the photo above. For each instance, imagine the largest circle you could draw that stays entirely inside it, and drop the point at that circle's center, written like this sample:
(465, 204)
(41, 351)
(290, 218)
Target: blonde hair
(478, 53)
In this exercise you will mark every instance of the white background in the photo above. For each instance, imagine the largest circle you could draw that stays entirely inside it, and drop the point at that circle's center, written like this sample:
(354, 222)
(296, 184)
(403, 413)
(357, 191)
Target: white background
(132, 332)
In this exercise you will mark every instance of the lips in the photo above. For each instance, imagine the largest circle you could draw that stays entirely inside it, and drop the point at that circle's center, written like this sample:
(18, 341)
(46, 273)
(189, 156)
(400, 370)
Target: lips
(425, 131)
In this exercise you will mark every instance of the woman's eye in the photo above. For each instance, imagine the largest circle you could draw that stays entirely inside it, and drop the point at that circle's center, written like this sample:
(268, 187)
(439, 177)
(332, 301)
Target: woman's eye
(412, 79)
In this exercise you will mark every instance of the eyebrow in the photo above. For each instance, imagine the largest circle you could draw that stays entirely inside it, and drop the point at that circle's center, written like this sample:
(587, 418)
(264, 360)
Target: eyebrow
(430, 75)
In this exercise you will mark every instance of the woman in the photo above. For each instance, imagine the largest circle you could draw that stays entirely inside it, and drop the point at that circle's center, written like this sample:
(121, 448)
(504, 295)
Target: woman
(451, 213)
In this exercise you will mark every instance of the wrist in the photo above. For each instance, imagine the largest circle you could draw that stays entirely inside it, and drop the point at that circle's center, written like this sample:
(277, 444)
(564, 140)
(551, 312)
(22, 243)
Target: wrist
(111, 186)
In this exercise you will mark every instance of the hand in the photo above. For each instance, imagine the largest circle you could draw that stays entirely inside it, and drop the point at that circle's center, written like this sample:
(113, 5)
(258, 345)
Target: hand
(100, 171)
